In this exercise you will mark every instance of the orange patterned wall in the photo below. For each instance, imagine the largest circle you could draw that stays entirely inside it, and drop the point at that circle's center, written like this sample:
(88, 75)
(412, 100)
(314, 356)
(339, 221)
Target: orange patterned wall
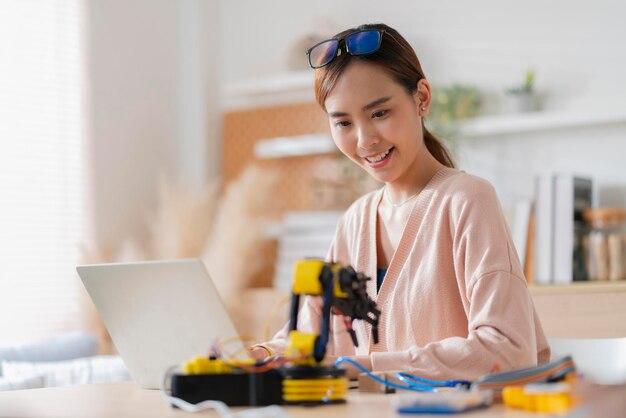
(243, 128)
(314, 182)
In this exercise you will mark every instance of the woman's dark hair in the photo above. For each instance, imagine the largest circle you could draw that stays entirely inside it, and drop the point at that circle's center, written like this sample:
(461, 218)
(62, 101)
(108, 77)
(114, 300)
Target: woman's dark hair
(398, 59)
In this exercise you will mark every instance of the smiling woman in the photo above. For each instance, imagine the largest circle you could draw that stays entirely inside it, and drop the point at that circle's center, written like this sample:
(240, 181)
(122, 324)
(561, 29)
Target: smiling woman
(380, 135)
(450, 286)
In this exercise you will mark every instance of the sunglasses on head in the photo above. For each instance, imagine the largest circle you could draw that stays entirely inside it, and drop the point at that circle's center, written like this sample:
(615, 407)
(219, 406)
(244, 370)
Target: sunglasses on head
(362, 42)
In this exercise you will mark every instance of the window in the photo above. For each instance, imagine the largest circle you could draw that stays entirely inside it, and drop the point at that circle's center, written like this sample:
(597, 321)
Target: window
(41, 167)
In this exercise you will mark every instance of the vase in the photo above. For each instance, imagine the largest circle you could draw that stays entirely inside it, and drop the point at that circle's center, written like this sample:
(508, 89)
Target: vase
(520, 102)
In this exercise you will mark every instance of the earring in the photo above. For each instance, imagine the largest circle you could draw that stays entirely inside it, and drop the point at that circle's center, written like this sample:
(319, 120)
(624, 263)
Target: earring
(423, 108)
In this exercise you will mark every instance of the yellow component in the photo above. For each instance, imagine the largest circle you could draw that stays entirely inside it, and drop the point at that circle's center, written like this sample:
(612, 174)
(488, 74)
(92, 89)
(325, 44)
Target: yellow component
(315, 390)
(513, 396)
(241, 363)
(544, 398)
(306, 277)
(553, 403)
(324, 382)
(300, 348)
(203, 365)
(313, 398)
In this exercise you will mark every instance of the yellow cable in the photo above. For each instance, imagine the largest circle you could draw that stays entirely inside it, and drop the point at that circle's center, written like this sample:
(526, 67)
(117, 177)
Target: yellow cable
(272, 316)
(244, 340)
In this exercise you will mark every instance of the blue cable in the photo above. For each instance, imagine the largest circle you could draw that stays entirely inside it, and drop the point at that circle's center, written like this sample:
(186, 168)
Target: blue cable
(410, 380)
(416, 388)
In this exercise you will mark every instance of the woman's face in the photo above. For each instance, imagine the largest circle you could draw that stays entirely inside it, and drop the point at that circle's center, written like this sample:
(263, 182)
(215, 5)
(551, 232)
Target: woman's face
(375, 122)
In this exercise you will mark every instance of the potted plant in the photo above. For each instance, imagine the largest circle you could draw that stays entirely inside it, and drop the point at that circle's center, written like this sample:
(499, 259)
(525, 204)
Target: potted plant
(521, 98)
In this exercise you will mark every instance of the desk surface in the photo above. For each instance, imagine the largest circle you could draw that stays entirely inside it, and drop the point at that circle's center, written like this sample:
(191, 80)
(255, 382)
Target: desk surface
(128, 400)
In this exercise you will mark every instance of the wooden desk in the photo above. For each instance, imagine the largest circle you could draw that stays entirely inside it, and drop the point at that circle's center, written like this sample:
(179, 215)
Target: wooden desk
(125, 399)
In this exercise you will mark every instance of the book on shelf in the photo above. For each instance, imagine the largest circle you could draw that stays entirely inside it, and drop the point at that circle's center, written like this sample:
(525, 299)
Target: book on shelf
(573, 195)
(560, 200)
(544, 224)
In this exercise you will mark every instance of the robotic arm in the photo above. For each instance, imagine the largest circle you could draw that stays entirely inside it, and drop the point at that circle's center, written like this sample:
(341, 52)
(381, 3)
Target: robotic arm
(343, 292)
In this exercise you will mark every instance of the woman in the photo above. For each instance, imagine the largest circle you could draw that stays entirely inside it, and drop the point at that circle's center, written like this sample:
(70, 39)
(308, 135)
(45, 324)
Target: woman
(453, 296)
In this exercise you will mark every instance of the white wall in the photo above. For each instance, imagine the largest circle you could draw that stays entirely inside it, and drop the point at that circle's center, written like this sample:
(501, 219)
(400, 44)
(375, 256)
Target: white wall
(575, 47)
(257, 35)
(152, 72)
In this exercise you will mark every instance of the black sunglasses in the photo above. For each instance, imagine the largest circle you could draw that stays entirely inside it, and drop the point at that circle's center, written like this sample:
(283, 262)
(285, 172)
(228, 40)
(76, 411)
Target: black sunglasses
(363, 42)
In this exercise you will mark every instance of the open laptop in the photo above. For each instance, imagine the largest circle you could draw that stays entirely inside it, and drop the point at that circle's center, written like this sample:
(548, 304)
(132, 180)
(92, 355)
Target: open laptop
(158, 313)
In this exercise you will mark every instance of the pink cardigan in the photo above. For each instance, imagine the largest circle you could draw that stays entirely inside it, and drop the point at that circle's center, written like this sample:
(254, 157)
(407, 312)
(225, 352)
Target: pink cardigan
(454, 300)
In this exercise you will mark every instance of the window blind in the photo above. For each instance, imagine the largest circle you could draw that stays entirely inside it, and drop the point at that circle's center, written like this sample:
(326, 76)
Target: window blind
(41, 166)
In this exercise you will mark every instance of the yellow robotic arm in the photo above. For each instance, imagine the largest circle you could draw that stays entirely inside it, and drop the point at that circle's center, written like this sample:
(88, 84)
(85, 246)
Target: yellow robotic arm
(343, 292)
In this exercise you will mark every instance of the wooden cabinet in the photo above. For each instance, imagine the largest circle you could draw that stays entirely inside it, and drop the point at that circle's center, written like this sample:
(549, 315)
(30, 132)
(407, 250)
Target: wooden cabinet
(580, 310)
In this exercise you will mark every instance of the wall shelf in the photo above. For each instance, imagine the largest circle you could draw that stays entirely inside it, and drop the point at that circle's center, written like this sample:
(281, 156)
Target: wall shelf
(480, 127)
(294, 146)
(297, 86)
(278, 89)
(537, 121)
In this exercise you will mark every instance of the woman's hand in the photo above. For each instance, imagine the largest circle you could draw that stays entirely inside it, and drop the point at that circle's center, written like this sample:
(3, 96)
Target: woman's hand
(258, 352)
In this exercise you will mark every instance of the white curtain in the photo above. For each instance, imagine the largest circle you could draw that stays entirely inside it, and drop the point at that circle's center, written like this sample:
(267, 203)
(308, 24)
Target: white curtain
(41, 166)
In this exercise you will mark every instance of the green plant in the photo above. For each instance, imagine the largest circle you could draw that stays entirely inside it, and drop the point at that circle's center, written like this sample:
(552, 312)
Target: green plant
(526, 87)
(450, 104)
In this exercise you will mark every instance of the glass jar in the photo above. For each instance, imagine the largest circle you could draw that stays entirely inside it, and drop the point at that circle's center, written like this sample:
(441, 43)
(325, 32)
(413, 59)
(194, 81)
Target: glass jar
(606, 243)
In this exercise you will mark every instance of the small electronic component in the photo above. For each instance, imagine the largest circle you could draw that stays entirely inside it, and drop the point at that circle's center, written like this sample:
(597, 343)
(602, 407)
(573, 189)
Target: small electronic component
(548, 398)
(444, 402)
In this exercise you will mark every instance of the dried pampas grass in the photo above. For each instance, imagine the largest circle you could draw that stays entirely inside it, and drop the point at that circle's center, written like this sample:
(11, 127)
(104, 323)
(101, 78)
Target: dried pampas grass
(182, 223)
(233, 254)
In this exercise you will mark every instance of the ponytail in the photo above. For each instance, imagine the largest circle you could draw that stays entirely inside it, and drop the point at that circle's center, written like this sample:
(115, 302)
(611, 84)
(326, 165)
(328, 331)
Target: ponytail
(437, 148)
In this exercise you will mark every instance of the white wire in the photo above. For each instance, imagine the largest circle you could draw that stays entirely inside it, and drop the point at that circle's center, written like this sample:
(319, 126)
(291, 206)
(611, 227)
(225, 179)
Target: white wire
(272, 411)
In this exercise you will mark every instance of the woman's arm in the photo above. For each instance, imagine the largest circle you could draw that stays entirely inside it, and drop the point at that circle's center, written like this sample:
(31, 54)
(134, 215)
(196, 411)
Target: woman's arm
(501, 336)
(502, 329)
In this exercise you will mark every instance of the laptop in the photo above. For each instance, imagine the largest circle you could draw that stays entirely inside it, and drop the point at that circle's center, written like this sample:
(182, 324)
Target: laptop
(159, 313)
